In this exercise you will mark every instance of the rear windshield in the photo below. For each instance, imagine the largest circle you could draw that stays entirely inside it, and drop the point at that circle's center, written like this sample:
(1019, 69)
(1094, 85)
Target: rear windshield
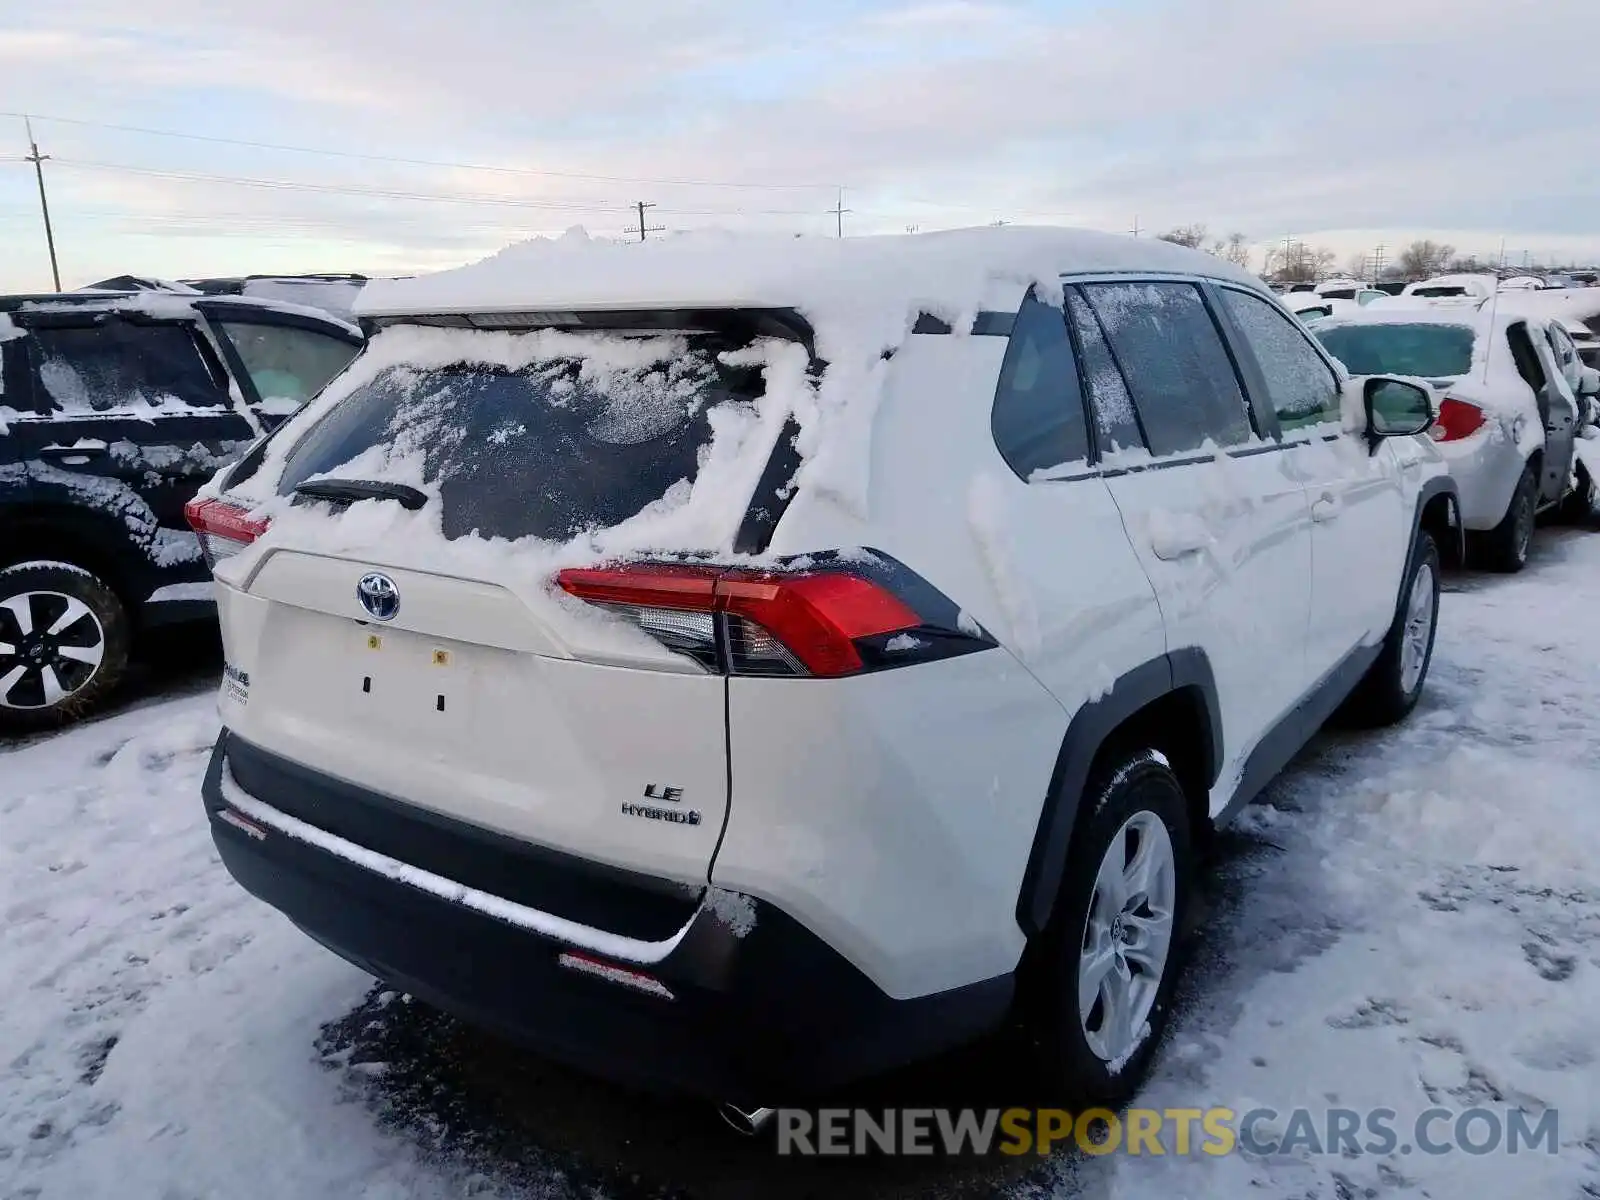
(1430, 351)
(566, 432)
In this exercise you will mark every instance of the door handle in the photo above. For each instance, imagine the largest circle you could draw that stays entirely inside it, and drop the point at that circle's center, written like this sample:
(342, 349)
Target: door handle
(72, 455)
(1325, 509)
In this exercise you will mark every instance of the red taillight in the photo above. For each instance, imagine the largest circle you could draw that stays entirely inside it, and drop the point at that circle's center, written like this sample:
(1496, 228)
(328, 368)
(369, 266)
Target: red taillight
(224, 529)
(1457, 419)
(800, 624)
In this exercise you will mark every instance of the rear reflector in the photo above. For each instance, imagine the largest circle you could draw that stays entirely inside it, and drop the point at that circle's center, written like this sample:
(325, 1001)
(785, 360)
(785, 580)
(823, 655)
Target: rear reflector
(1457, 419)
(611, 973)
(224, 529)
(808, 623)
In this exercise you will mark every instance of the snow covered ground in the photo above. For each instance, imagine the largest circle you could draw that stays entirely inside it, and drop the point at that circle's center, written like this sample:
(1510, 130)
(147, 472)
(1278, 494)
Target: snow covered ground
(1410, 918)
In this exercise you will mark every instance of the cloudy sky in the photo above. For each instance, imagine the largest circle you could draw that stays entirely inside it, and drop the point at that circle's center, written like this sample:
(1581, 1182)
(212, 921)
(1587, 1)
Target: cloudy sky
(1345, 122)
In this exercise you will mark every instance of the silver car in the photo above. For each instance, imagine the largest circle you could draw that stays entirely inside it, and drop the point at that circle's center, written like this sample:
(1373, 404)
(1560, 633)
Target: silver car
(1513, 397)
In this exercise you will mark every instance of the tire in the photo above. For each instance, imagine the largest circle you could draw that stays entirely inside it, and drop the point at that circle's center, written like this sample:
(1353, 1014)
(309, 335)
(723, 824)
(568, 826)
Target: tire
(64, 642)
(1393, 684)
(1582, 506)
(1089, 1057)
(1505, 547)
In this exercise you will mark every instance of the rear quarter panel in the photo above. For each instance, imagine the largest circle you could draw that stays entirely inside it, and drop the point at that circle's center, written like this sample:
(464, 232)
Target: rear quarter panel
(893, 814)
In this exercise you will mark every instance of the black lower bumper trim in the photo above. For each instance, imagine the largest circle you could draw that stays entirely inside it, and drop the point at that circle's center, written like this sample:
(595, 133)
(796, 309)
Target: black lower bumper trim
(773, 1015)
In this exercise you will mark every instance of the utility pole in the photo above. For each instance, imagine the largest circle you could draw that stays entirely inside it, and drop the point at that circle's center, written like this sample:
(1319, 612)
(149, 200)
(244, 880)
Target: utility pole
(646, 230)
(38, 160)
(838, 211)
(1377, 262)
(1135, 229)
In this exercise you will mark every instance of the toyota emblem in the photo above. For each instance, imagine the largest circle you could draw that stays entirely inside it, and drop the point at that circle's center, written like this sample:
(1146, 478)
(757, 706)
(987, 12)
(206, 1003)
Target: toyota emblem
(379, 596)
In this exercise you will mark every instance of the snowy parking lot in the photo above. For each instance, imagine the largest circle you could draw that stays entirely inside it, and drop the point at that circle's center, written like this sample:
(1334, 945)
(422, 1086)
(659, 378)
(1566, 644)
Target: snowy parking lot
(1409, 919)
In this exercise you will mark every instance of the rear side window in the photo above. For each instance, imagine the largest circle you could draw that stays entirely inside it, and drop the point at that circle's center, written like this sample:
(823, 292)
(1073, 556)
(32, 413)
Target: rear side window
(1173, 359)
(584, 432)
(288, 365)
(116, 367)
(1303, 387)
(1038, 419)
(1116, 424)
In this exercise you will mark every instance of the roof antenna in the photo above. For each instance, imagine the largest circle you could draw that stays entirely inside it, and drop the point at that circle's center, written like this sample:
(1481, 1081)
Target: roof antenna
(1494, 307)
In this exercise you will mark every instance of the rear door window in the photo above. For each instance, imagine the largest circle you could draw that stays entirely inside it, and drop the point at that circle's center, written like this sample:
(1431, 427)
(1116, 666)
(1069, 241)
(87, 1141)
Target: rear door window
(1116, 422)
(1038, 420)
(1566, 354)
(116, 366)
(1303, 387)
(581, 434)
(287, 364)
(1172, 356)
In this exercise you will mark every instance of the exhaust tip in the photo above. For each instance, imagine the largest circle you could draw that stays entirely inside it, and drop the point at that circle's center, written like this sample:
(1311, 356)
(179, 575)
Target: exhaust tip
(747, 1122)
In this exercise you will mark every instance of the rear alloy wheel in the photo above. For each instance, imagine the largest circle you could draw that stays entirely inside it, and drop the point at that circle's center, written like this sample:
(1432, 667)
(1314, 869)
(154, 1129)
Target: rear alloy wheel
(1393, 683)
(63, 644)
(1113, 945)
(1505, 547)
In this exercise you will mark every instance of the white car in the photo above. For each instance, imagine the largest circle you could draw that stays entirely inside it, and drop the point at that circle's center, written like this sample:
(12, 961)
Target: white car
(1349, 289)
(1474, 286)
(743, 665)
(1514, 395)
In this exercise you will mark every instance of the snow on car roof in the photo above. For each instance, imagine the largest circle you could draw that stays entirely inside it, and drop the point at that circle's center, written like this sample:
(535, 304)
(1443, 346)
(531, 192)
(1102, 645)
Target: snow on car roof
(1470, 315)
(170, 305)
(890, 278)
(1565, 304)
(1480, 284)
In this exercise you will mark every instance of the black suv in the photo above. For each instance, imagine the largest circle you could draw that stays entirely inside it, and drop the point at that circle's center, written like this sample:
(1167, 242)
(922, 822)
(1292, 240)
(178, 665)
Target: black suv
(114, 409)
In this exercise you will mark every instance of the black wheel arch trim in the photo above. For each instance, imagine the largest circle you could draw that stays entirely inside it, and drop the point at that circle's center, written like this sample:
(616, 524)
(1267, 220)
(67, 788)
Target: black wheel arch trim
(1439, 485)
(1090, 728)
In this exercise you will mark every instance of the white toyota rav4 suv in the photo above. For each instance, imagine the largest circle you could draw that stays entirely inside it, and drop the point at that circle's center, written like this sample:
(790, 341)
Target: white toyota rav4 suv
(744, 665)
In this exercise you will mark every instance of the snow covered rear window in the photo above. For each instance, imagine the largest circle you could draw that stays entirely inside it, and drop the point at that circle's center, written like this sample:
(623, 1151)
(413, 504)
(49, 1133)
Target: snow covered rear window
(1426, 350)
(581, 432)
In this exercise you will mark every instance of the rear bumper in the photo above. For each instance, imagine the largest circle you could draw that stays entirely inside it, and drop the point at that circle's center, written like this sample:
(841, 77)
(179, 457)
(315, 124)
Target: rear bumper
(761, 1013)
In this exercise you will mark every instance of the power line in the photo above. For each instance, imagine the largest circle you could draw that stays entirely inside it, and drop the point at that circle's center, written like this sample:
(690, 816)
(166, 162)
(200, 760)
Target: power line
(290, 185)
(424, 162)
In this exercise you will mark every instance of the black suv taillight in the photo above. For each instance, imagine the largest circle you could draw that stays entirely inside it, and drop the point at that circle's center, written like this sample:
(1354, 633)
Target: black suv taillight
(822, 622)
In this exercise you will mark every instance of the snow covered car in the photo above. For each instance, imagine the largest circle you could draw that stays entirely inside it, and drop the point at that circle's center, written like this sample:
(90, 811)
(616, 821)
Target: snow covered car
(1348, 289)
(743, 665)
(1474, 286)
(114, 409)
(1513, 400)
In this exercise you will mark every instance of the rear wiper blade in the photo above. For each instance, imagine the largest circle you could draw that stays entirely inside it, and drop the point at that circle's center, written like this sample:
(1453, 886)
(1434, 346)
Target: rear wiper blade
(362, 489)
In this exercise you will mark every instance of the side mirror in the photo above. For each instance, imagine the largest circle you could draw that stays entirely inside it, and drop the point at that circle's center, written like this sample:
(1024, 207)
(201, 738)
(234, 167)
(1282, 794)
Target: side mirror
(1589, 382)
(1395, 408)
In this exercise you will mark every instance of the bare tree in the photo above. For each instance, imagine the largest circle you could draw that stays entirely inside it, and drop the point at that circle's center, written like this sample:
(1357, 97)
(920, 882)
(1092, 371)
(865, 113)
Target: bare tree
(1424, 257)
(1466, 264)
(1296, 262)
(1235, 248)
(1357, 265)
(1192, 236)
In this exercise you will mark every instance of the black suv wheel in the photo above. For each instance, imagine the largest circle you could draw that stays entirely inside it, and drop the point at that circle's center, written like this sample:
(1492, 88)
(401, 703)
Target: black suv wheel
(64, 643)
